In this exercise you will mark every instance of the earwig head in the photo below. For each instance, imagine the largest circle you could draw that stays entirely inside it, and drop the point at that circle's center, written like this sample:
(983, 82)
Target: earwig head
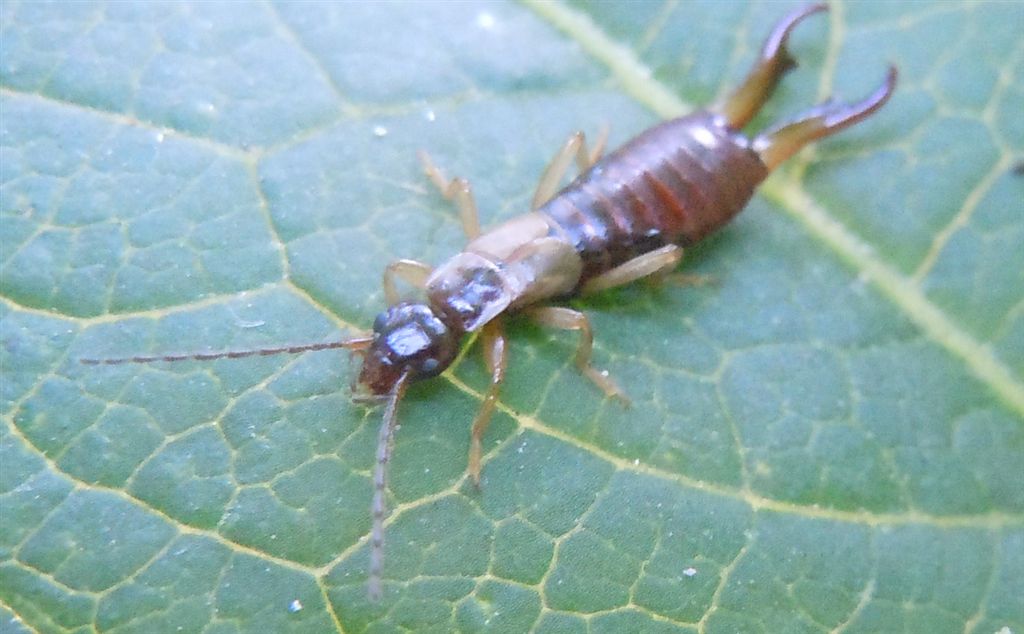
(408, 339)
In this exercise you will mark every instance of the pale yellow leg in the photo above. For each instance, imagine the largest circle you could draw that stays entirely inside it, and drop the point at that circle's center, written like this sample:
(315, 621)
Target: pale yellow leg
(496, 357)
(658, 261)
(412, 271)
(569, 319)
(456, 190)
(574, 148)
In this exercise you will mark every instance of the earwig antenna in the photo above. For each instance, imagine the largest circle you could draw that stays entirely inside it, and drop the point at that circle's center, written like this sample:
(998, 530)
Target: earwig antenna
(379, 506)
(357, 343)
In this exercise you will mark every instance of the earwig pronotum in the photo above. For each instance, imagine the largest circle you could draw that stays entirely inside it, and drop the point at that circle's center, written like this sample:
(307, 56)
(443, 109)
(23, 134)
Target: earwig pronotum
(626, 216)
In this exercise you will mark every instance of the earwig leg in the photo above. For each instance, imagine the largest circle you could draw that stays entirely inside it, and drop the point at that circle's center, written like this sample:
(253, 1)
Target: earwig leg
(574, 148)
(782, 141)
(660, 260)
(496, 356)
(456, 190)
(569, 319)
(773, 62)
(599, 145)
(412, 271)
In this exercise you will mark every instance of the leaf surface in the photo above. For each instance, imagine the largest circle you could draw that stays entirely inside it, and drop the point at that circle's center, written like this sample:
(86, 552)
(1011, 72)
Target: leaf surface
(827, 438)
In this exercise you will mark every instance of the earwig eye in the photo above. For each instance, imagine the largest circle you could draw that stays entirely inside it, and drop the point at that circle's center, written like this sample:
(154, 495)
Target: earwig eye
(380, 321)
(429, 366)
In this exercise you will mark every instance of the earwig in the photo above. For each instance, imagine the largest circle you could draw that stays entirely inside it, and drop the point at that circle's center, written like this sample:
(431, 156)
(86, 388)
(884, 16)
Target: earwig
(626, 216)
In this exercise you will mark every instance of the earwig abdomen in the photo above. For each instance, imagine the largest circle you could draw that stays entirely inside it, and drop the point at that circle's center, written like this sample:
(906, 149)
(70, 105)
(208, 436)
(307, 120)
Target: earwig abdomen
(673, 184)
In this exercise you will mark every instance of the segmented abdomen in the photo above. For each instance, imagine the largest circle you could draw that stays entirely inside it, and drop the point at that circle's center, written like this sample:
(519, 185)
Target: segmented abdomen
(675, 183)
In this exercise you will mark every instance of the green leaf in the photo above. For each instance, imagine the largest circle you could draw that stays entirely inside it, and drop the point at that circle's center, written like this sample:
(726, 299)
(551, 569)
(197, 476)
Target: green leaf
(827, 438)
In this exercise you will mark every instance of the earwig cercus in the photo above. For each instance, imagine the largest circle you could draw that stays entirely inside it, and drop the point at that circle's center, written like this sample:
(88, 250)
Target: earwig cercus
(626, 216)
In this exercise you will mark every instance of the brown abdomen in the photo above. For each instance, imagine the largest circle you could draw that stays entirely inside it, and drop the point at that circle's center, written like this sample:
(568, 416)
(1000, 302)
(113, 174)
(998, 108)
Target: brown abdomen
(675, 183)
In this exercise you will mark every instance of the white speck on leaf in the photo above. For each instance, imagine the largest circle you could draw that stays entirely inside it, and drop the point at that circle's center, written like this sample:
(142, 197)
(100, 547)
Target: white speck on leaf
(379, 131)
(295, 606)
(485, 20)
(690, 572)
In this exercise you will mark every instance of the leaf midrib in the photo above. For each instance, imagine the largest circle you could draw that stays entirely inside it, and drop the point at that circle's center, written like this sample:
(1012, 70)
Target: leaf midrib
(788, 195)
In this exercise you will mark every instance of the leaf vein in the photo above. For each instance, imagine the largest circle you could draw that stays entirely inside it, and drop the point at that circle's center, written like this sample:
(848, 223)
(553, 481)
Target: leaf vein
(133, 121)
(753, 500)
